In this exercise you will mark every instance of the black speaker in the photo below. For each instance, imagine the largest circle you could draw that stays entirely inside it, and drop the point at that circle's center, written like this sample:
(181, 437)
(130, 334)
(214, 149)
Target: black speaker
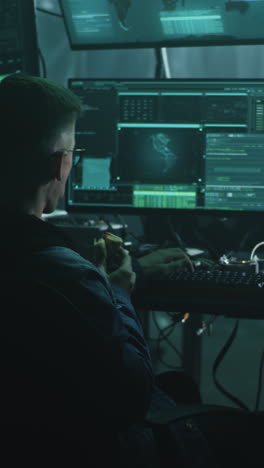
(18, 37)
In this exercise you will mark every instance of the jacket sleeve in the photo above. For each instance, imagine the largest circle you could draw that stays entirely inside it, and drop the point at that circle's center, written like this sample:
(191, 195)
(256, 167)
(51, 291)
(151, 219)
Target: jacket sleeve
(103, 357)
(120, 350)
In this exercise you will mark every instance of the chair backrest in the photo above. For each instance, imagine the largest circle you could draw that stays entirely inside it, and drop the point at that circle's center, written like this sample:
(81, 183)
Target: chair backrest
(45, 374)
(35, 342)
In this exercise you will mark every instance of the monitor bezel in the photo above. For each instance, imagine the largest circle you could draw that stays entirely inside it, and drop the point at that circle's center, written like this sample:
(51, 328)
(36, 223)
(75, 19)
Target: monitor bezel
(163, 44)
(206, 41)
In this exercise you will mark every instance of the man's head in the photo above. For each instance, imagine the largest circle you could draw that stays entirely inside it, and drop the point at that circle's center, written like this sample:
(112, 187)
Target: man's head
(37, 125)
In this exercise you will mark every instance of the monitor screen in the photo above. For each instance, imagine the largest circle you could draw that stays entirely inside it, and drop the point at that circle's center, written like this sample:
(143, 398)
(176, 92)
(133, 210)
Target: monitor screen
(169, 145)
(162, 23)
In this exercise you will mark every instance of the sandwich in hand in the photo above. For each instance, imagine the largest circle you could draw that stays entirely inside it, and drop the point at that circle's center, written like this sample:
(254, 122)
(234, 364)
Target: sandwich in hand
(108, 251)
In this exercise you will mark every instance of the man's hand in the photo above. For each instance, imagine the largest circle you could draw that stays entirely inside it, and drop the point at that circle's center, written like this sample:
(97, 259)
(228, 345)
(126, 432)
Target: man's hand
(165, 261)
(123, 275)
(100, 255)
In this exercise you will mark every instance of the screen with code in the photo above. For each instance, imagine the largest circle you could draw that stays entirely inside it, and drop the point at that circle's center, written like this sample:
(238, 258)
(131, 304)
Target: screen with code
(168, 145)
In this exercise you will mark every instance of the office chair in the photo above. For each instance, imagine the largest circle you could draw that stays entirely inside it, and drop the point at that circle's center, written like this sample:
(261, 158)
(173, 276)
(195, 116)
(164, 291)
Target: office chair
(41, 423)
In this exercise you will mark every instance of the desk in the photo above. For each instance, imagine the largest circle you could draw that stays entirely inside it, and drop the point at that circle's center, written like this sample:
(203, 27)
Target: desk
(214, 300)
(226, 301)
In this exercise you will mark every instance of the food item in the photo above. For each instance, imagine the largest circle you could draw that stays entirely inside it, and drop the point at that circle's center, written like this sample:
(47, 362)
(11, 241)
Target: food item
(114, 251)
(108, 251)
(112, 240)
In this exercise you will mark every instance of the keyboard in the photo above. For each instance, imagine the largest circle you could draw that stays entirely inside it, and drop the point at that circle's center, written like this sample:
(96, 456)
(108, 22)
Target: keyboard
(219, 277)
(218, 291)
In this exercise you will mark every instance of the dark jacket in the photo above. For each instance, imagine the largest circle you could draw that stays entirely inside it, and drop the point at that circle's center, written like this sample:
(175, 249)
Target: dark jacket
(103, 373)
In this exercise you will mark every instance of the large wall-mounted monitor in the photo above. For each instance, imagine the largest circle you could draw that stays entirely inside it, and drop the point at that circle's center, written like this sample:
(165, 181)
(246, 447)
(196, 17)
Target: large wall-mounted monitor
(101, 24)
(169, 145)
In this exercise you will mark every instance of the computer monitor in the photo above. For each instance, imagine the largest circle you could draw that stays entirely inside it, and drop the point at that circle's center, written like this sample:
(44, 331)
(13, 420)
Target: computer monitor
(167, 145)
(102, 24)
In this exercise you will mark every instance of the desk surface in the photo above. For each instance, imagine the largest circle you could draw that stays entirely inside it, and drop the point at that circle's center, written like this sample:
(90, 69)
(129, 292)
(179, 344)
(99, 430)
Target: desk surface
(226, 300)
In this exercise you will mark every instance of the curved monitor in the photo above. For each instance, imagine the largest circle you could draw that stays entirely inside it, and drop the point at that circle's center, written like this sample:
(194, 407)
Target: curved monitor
(102, 24)
(169, 145)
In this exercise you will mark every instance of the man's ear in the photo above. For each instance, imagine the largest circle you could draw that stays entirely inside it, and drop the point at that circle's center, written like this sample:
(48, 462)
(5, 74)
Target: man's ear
(56, 165)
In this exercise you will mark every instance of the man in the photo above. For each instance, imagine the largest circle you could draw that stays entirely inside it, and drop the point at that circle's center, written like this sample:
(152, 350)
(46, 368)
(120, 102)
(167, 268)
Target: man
(115, 384)
(105, 384)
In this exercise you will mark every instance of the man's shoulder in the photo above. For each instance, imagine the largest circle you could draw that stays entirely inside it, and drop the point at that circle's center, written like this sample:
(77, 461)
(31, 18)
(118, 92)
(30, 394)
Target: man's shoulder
(62, 260)
(62, 254)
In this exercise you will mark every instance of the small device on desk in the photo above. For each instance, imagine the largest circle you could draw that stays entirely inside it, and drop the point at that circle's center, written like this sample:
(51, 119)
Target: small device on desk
(245, 260)
(194, 252)
(239, 262)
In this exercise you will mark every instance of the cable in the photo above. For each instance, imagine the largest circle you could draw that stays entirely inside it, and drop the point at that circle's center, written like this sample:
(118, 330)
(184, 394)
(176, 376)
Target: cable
(175, 234)
(259, 388)
(217, 362)
(162, 63)
(168, 329)
(180, 242)
(166, 65)
(254, 250)
(164, 337)
(206, 326)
